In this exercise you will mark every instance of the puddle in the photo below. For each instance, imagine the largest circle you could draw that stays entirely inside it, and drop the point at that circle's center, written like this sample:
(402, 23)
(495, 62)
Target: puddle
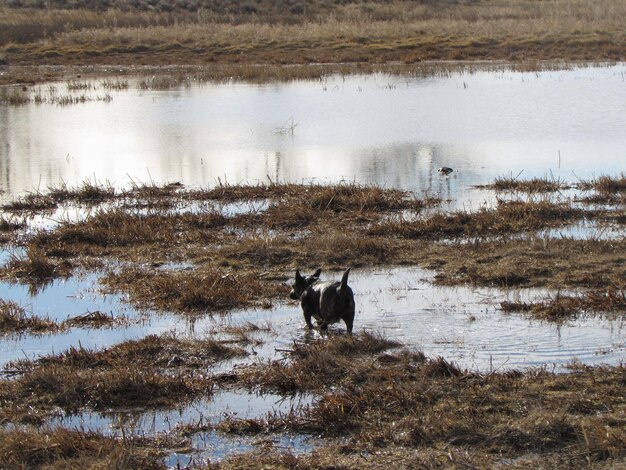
(206, 444)
(585, 230)
(390, 130)
(463, 324)
(238, 404)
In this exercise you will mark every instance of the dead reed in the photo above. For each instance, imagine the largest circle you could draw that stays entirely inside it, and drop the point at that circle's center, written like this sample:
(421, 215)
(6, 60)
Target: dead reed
(10, 224)
(509, 216)
(151, 372)
(14, 319)
(403, 401)
(327, 32)
(534, 185)
(34, 267)
(604, 190)
(95, 319)
(552, 262)
(316, 366)
(87, 193)
(334, 225)
(563, 307)
(64, 448)
(202, 291)
(605, 184)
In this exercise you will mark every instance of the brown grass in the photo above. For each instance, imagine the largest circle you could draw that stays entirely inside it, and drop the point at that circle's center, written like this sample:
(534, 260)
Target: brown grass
(531, 186)
(314, 367)
(605, 190)
(509, 216)
(317, 31)
(9, 224)
(95, 319)
(555, 263)
(406, 403)
(13, 319)
(152, 372)
(63, 448)
(35, 268)
(605, 184)
(205, 291)
(562, 307)
(236, 259)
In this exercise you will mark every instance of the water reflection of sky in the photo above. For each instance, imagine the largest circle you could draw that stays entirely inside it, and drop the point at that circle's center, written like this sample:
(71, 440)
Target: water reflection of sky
(394, 131)
(462, 324)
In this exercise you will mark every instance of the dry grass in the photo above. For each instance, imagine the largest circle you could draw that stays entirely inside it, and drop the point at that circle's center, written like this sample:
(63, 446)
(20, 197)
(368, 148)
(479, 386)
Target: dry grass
(317, 32)
(34, 268)
(605, 190)
(147, 373)
(87, 193)
(317, 366)
(10, 224)
(543, 262)
(74, 449)
(531, 186)
(194, 292)
(563, 307)
(236, 258)
(13, 319)
(96, 319)
(605, 184)
(509, 217)
(408, 404)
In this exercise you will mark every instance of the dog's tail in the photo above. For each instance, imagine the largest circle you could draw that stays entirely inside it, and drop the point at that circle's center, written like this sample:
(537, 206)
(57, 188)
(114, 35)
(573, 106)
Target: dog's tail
(344, 282)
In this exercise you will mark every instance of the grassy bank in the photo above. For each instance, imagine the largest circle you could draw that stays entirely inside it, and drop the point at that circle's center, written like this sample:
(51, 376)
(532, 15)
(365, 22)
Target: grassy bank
(315, 31)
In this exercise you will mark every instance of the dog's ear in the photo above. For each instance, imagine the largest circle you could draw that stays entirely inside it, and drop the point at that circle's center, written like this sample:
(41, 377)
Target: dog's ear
(298, 276)
(317, 273)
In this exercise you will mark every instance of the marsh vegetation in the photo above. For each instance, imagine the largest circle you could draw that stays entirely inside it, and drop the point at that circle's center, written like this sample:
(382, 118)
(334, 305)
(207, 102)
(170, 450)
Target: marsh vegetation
(195, 253)
(372, 395)
(311, 32)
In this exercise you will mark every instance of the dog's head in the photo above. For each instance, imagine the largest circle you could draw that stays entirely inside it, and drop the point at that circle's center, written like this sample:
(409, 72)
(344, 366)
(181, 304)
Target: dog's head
(301, 283)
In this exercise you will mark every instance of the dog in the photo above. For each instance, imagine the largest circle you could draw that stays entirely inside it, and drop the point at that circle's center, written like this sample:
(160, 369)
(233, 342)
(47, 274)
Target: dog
(326, 301)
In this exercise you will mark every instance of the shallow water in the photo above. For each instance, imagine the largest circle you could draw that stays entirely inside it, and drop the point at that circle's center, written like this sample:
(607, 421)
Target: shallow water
(204, 444)
(462, 324)
(394, 131)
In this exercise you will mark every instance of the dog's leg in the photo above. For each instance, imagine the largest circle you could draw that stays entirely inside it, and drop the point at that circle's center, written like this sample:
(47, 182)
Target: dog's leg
(307, 315)
(349, 320)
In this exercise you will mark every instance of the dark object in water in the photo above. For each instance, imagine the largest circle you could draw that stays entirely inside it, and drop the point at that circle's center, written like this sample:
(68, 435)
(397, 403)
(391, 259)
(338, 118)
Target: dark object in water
(327, 302)
(445, 170)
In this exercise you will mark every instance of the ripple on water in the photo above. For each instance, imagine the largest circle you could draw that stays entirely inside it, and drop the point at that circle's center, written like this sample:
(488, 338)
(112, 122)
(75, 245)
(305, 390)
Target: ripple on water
(463, 324)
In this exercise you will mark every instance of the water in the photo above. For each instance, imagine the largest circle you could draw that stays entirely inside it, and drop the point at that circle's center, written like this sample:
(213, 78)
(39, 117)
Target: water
(394, 131)
(201, 414)
(462, 324)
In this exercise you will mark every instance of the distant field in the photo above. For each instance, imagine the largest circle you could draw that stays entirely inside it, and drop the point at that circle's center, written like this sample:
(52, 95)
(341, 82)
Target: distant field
(153, 32)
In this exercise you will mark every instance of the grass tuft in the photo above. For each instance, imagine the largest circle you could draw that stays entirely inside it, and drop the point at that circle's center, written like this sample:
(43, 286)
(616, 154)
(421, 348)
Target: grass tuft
(64, 448)
(531, 186)
(13, 319)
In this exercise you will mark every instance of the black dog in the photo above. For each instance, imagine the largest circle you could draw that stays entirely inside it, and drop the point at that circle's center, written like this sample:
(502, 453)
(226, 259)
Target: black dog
(327, 302)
